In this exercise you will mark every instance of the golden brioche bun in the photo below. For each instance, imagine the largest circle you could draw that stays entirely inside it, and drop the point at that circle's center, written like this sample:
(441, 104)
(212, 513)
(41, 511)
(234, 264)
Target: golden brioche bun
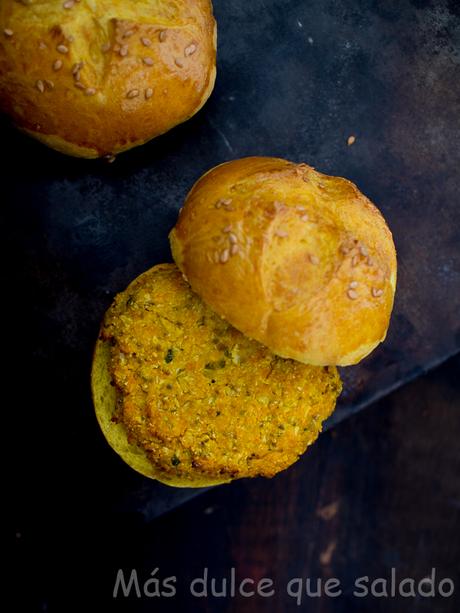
(95, 78)
(300, 261)
(186, 399)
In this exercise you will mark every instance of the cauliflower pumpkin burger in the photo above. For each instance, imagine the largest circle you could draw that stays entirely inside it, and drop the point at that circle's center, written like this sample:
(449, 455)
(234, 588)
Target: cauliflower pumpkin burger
(224, 366)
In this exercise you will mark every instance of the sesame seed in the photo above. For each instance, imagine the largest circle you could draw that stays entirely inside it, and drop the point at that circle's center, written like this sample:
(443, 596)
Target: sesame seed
(377, 292)
(224, 256)
(128, 33)
(355, 260)
(124, 51)
(162, 36)
(363, 250)
(77, 67)
(109, 158)
(57, 65)
(225, 202)
(281, 233)
(69, 4)
(49, 84)
(300, 208)
(369, 261)
(133, 93)
(351, 140)
(40, 86)
(62, 49)
(148, 61)
(354, 284)
(227, 228)
(90, 91)
(79, 85)
(70, 38)
(179, 62)
(146, 41)
(106, 47)
(352, 294)
(232, 238)
(42, 45)
(304, 218)
(190, 50)
(314, 260)
(148, 93)
(8, 32)
(234, 249)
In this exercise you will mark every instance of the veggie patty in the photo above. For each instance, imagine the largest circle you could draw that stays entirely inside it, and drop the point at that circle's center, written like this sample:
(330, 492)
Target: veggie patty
(197, 396)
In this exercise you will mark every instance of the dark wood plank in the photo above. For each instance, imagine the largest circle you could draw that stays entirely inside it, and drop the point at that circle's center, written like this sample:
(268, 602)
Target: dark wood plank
(380, 491)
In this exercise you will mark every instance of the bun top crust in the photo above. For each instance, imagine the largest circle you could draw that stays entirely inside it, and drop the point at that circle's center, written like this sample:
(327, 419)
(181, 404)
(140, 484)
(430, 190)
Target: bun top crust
(298, 260)
(97, 77)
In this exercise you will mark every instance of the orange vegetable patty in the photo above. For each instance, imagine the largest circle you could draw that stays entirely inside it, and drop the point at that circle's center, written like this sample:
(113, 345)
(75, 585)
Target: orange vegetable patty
(197, 396)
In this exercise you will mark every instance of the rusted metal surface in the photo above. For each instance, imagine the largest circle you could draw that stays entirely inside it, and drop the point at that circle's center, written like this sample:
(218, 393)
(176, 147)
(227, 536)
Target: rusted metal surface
(296, 79)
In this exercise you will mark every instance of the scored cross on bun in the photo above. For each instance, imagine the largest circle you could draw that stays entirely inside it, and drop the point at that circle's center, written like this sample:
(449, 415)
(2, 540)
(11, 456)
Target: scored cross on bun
(93, 78)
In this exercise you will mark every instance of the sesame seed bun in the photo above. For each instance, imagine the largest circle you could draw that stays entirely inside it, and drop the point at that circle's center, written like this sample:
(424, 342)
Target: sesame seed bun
(300, 261)
(95, 79)
(186, 399)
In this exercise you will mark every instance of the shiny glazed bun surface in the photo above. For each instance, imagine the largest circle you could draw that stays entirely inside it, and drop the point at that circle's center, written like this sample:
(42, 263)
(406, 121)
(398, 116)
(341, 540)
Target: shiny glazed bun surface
(96, 77)
(300, 261)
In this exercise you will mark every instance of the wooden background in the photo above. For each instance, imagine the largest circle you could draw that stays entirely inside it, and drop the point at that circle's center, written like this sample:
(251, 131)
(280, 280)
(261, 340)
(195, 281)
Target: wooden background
(382, 490)
(296, 78)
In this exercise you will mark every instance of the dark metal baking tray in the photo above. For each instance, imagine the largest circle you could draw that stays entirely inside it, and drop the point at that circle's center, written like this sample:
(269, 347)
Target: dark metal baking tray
(295, 80)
